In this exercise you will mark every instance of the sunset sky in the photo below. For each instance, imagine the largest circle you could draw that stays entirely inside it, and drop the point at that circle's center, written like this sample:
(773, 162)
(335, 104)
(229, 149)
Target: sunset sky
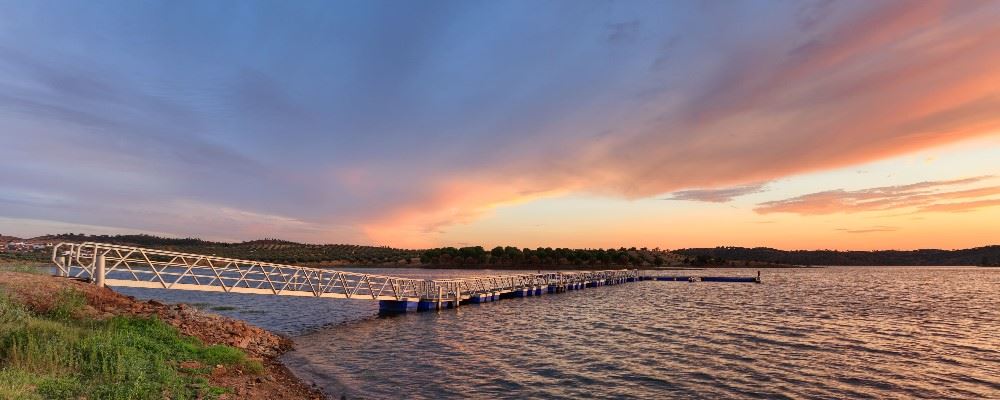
(788, 124)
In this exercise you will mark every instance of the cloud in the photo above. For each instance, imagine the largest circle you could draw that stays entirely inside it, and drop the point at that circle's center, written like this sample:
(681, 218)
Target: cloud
(722, 195)
(386, 123)
(961, 206)
(923, 196)
(874, 229)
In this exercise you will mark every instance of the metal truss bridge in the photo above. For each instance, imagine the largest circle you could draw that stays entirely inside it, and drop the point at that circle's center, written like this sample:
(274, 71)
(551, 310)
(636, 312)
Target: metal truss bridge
(115, 265)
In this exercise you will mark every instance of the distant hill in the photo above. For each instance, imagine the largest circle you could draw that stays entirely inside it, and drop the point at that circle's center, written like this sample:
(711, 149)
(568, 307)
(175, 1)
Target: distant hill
(507, 257)
(268, 250)
(989, 255)
(286, 252)
(7, 239)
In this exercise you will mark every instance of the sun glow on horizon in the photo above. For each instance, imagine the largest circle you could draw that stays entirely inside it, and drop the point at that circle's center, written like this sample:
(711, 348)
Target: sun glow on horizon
(613, 223)
(791, 125)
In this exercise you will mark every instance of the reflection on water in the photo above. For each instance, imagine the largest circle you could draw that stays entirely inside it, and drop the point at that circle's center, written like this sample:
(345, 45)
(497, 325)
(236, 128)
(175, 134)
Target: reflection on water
(817, 333)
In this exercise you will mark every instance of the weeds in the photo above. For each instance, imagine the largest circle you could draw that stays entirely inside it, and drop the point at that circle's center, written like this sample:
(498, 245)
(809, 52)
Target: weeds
(25, 267)
(67, 304)
(56, 355)
(18, 384)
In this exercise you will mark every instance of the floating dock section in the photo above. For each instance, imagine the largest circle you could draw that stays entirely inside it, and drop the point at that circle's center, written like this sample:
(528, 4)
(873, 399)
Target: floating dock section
(127, 266)
(454, 293)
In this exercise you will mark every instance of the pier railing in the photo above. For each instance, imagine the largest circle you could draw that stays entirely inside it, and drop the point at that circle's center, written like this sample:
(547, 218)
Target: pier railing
(116, 265)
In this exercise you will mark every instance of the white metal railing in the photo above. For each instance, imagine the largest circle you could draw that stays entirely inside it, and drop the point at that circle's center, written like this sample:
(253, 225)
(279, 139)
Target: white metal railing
(117, 265)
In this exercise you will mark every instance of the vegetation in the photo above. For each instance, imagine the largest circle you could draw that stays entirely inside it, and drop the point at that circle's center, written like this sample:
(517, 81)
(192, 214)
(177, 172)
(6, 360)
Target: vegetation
(267, 250)
(989, 255)
(55, 354)
(25, 257)
(545, 257)
(30, 267)
(285, 252)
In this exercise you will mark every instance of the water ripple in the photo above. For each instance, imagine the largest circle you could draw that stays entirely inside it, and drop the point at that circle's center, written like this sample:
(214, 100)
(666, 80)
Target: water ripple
(809, 333)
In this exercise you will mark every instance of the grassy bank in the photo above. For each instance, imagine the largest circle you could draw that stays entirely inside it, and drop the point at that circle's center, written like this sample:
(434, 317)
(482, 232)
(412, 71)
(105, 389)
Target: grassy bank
(57, 354)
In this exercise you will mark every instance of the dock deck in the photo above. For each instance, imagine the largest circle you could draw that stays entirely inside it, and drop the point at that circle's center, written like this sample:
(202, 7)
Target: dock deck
(115, 265)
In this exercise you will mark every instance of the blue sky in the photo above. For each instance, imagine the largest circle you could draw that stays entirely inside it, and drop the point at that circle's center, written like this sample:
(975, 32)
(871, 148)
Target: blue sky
(398, 122)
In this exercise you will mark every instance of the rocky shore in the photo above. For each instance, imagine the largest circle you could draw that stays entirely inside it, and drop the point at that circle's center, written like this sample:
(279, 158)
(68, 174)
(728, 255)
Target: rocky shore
(275, 381)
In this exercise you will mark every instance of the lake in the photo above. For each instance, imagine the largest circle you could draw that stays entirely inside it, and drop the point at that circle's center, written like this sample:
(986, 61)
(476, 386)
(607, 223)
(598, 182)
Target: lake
(859, 332)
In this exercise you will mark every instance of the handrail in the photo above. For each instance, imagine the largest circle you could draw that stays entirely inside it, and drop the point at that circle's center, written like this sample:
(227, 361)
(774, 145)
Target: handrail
(151, 268)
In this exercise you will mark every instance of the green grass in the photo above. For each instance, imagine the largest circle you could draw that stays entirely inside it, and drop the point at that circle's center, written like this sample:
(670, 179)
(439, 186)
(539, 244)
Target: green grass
(58, 356)
(25, 266)
(33, 257)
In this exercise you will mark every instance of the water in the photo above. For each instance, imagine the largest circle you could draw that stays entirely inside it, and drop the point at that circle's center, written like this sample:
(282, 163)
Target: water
(803, 333)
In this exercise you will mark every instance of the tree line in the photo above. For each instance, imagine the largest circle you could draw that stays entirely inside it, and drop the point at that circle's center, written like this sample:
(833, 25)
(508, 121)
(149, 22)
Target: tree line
(266, 250)
(509, 256)
(984, 256)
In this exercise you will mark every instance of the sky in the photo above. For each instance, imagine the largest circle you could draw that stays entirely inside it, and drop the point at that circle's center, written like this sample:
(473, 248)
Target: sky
(787, 124)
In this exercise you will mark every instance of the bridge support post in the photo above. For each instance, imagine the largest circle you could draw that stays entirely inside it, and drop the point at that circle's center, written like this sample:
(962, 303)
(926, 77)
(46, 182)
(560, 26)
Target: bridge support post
(67, 261)
(99, 265)
(440, 296)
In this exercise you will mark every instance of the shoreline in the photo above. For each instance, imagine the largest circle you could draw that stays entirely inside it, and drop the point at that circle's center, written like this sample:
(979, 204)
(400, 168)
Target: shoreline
(645, 268)
(548, 267)
(275, 380)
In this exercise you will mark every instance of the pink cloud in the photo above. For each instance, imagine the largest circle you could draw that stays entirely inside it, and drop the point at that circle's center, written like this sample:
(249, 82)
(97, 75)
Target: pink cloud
(721, 195)
(961, 206)
(900, 78)
(926, 196)
(437, 128)
(873, 229)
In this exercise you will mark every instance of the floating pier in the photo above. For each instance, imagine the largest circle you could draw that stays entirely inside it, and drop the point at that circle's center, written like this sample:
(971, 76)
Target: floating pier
(453, 293)
(127, 266)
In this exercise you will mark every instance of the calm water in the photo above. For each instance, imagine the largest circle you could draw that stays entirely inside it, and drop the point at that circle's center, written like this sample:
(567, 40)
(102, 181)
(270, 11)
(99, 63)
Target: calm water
(817, 333)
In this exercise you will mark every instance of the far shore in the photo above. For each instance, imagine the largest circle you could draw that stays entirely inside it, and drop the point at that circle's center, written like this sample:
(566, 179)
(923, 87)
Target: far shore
(552, 267)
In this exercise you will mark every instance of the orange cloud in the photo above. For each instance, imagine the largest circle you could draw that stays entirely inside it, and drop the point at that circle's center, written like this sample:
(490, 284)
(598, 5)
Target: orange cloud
(962, 206)
(450, 203)
(927, 196)
(874, 229)
(722, 195)
(895, 79)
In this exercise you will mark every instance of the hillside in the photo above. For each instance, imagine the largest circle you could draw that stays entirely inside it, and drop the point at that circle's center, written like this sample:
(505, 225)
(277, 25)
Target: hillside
(982, 256)
(546, 257)
(286, 252)
(268, 250)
